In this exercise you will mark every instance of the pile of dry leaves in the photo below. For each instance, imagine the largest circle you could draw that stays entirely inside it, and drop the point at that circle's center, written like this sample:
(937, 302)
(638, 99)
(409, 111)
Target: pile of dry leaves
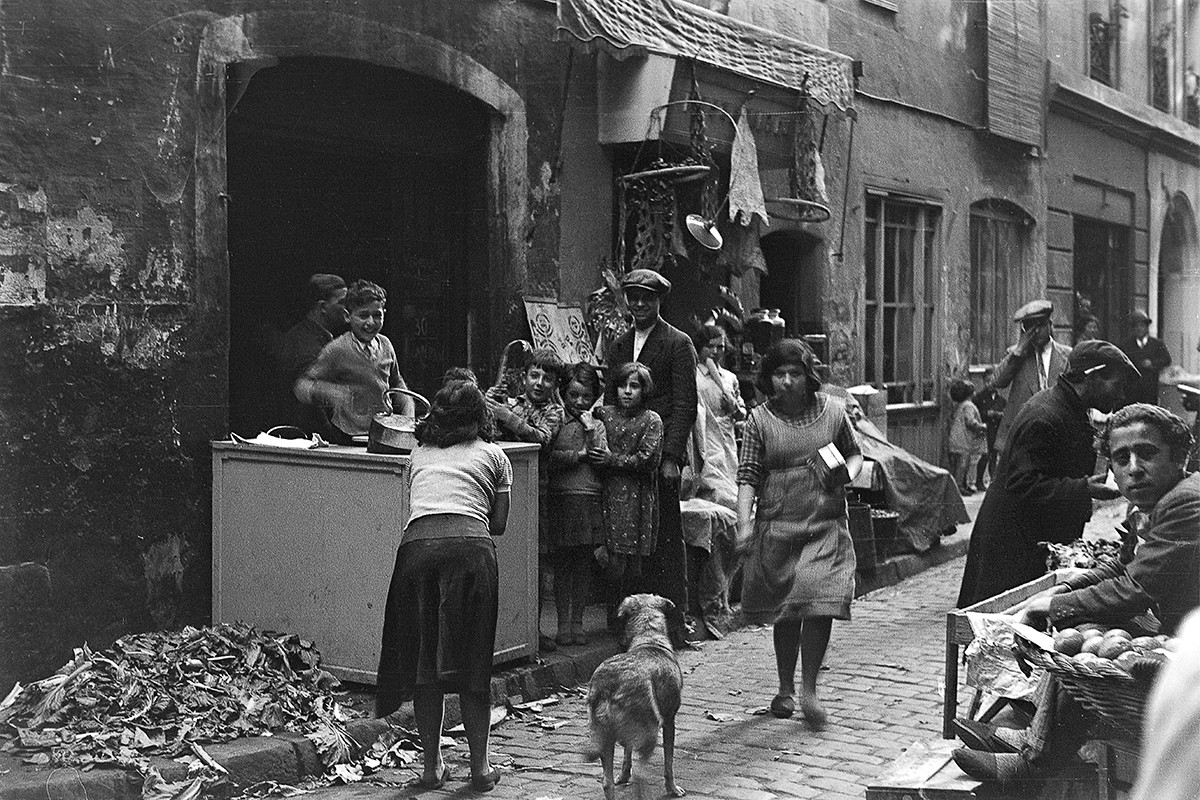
(167, 693)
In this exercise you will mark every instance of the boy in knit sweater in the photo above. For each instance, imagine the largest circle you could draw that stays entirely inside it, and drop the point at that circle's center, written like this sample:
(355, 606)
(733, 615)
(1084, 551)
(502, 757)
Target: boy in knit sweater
(353, 373)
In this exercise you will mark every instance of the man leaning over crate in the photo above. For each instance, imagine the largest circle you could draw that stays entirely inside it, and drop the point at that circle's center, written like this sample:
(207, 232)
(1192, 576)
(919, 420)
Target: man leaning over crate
(1147, 447)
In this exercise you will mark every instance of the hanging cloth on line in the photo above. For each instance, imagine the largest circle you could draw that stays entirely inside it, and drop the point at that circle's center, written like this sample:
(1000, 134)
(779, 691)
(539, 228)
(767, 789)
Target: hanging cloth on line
(745, 188)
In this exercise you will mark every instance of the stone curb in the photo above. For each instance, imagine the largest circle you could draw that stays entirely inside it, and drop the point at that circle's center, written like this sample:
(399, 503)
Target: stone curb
(289, 758)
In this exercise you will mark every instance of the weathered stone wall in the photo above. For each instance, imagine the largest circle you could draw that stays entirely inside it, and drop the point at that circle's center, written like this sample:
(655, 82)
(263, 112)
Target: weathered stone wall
(113, 282)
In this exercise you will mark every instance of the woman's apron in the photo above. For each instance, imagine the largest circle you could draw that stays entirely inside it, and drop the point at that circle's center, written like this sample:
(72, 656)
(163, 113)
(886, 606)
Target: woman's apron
(802, 557)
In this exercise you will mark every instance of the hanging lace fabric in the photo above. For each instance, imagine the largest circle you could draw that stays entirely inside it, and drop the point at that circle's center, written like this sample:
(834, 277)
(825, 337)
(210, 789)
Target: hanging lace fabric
(807, 175)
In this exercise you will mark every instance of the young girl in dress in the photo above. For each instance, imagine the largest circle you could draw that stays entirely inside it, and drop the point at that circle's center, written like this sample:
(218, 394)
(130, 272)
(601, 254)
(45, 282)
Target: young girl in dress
(630, 494)
(439, 625)
(967, 441)
(576, 523)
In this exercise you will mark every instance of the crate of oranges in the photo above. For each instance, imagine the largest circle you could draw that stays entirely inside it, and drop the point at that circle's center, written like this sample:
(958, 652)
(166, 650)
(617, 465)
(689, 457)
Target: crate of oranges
(1107, 670)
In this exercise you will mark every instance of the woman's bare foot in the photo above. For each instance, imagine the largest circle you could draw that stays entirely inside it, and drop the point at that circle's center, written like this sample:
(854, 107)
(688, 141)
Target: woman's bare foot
(814, 712)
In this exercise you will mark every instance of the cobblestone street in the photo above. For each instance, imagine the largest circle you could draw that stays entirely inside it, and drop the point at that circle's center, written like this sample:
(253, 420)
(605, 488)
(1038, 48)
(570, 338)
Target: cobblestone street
(881, 689)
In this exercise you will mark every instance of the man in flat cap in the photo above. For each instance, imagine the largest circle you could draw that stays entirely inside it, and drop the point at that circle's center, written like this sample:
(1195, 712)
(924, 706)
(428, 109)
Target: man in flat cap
(1148, 354)
(669, 354)
(1032, 364)
(1044, 486)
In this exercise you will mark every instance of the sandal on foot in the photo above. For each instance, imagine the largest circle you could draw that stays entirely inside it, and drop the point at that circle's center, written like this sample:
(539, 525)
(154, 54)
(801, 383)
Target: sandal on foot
(436, 783)
(783, 706)
(564, 639)
(485, 783)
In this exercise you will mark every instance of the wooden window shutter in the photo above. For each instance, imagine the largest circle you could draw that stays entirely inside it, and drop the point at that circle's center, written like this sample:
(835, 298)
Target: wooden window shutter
(1016, 65)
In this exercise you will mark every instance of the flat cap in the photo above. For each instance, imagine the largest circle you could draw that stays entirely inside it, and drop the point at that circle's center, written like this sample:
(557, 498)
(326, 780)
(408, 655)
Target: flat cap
(1095, 353)
(1034, 309)
(1137, 315)
(646, 279)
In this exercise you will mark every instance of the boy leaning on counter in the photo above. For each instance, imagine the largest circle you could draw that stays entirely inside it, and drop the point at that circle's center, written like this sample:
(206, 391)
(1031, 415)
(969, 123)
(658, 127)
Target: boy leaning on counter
(354, 372)
(535, 416)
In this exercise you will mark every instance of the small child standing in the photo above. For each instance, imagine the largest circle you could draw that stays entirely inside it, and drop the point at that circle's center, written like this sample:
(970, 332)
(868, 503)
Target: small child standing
(991, 404)
(630, 496)
(354, 372)
(576, 522)
(536, 417)
(968, 435)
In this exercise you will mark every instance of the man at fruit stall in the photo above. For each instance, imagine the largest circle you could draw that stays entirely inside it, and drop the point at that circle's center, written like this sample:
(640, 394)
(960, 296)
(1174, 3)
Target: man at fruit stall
(1147, 447)
(1044, 487)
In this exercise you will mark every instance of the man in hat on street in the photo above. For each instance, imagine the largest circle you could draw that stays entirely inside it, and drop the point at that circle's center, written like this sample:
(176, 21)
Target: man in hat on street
(1044, 486)
(1032, 364)
(669, 354)
(1148, 354)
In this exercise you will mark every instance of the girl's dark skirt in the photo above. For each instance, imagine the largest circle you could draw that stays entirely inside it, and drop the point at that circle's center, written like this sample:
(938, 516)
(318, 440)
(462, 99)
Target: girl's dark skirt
(576, 520)
(439, 627)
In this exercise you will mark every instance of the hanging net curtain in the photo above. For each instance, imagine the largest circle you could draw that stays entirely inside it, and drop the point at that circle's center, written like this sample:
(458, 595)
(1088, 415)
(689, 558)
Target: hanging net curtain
(702, 151)
(646, 213)
(808, 201)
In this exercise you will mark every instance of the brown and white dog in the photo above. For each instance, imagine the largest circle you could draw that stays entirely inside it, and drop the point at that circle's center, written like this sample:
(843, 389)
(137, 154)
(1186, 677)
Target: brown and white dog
(634, 694)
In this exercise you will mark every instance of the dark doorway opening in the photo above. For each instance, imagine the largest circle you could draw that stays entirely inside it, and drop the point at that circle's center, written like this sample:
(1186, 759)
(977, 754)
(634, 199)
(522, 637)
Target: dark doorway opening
(365, 172)
(794, 282)
(1102, 274)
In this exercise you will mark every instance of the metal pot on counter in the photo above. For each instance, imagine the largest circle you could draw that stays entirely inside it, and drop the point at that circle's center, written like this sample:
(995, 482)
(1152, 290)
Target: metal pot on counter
(395, 434)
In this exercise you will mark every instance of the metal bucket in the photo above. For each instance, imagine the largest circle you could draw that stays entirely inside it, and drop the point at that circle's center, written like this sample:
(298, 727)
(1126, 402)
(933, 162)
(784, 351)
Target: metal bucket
(395, 434)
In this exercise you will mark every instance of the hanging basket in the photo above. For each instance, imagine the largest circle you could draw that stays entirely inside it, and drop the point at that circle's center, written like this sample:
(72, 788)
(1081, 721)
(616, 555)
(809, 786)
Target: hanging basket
(798, 209)
(682, 173)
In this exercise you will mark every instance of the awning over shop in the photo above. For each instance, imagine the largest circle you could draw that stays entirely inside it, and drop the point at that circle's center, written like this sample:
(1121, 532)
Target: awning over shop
(624, 28)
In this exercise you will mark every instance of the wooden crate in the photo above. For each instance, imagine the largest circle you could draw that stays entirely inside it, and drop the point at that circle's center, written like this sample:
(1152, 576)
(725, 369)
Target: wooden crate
(926, 771)
(959, 634)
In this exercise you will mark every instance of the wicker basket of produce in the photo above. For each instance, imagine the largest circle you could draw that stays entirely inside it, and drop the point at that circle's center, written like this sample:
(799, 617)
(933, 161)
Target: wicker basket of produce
(1113, 689)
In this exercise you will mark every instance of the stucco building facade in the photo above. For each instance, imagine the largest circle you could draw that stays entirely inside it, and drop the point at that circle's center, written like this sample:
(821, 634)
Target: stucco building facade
(170, 176)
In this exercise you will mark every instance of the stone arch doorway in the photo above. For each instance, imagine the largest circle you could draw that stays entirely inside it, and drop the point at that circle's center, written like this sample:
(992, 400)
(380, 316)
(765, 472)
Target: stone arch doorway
(1179, 283)
(435, 216)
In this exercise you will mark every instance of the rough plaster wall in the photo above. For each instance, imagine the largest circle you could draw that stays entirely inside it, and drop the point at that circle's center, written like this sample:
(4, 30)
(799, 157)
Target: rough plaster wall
(952, 167)
(113, 335)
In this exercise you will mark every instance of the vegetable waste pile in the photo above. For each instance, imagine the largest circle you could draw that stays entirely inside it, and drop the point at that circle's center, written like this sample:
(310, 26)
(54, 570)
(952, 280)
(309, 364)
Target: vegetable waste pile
(1081, 553)
(168, 693)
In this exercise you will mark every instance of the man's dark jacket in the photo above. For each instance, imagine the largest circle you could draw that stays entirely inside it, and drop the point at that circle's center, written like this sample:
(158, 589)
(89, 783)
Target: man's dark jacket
(1163, 576)
(1150, 360)
(1039, 494)
(669, 354)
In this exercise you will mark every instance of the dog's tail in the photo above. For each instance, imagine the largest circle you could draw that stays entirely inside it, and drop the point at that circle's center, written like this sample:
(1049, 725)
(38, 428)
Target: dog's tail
(597, 712)
(613, 722)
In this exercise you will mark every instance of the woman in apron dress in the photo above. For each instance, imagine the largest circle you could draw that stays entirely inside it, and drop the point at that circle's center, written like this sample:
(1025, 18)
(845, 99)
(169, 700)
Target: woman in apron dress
(799, 565)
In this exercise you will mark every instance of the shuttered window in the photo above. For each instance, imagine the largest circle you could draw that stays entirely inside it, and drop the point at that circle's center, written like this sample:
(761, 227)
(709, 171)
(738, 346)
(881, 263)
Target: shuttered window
(1016, 70)
(999, 244)
(900, 251)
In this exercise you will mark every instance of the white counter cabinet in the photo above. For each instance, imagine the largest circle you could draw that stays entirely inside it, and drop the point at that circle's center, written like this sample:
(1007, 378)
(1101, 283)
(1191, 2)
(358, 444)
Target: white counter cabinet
(304, 542)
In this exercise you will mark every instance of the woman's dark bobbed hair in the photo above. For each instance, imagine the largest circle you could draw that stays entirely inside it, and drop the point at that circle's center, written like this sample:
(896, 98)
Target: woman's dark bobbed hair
(787, 351)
